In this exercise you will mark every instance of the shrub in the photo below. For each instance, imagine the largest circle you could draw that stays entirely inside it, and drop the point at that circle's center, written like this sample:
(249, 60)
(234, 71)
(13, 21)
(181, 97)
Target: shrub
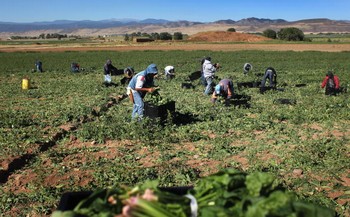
(155, 35)
(269, 33)
(178, 36)
(165, 36)
(291, 34)
(126, 37)
(231, 30)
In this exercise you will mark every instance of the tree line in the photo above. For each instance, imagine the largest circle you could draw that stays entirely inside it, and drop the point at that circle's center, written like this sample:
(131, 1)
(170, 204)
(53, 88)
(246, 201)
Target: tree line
(47, 36)
(155, 36)
(287, 34)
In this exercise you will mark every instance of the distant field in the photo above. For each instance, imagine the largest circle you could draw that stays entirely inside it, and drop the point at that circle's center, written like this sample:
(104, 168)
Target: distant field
(209, 37)
(69, 132)
(317, 44)
(329, 38)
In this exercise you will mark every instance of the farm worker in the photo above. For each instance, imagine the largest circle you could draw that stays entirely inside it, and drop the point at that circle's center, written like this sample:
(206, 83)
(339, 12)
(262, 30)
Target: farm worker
(74, 67)
(204, 83)
(209, 70)
(108, 68)
(271, 75)
(169, 72)
(223, 89)
(128, 74)
(331, 82)
(140, 84)
(247, 67)
(38, 66)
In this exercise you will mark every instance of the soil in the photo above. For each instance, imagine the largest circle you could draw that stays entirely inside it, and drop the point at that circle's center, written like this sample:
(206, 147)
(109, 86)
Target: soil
(215, 41)
(220, 36)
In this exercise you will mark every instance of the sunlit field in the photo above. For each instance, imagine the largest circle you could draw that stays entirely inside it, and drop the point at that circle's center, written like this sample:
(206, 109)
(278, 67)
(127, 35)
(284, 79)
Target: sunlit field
(69, 132)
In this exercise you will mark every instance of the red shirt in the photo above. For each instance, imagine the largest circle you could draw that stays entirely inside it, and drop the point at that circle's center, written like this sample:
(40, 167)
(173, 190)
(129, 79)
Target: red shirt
(336, 81)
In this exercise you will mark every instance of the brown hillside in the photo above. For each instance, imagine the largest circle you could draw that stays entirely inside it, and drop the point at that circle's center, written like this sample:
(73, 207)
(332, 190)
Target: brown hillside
(224, 36)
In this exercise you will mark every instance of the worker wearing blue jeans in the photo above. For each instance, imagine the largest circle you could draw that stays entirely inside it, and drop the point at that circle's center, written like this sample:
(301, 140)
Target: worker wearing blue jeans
(141, 84)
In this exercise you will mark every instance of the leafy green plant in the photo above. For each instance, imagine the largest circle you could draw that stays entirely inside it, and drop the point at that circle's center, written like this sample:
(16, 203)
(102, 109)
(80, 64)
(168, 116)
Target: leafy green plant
(226, 193)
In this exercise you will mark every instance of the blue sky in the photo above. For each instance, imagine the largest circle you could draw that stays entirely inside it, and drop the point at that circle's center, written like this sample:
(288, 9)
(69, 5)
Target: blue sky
(192, 10)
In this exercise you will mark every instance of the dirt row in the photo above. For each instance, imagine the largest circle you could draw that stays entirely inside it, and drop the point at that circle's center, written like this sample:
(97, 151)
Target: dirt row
(12, 164)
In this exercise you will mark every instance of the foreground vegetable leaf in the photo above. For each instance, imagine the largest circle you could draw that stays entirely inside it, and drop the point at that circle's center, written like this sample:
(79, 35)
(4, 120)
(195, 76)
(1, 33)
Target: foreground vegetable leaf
(224, 194)
(259, 183)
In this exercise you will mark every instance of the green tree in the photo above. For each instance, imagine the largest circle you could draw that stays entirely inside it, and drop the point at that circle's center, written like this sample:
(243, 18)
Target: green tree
(136, 34)
(231, 30)
(42, 36)
(165, 36)
(155, 36)
(178, 36)
(291, 34)
(126, 37)
(144, 34)
(269, 33)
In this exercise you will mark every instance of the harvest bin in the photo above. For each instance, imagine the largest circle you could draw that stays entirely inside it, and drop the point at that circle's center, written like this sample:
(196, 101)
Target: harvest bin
(159, 111)
(70, 200)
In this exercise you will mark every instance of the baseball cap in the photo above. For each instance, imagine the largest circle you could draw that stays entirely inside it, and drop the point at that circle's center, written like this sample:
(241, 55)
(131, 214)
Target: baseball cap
(217, 89)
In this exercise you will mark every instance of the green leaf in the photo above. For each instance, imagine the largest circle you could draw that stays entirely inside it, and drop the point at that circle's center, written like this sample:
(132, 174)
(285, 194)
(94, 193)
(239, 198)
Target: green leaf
(312, 210)
(259, 182)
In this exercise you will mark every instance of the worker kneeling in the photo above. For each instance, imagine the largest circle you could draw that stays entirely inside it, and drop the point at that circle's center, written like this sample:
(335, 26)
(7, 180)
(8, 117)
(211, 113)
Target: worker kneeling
(223, 89)
(74, 67)
(169, 72)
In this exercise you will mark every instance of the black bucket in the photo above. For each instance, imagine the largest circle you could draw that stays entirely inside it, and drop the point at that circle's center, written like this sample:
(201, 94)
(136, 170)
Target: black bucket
(161, 112)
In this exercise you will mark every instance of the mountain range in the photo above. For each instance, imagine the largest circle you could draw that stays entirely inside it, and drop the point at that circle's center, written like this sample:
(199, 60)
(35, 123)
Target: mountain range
(128, 26)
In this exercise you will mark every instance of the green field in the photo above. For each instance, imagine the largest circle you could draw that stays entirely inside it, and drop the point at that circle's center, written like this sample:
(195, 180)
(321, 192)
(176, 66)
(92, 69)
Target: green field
(41, 158)
(330, 37)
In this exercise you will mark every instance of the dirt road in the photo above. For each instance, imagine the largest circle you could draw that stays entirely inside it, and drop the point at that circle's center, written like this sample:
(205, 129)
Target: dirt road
(179, 46)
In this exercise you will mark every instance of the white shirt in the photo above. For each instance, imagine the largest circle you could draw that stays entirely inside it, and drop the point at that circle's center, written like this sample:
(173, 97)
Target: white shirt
(167, 69)
(140, 81)
(208, 69)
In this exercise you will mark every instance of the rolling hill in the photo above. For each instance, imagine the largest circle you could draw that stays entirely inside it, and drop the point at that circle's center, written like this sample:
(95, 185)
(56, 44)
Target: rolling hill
(128, 26)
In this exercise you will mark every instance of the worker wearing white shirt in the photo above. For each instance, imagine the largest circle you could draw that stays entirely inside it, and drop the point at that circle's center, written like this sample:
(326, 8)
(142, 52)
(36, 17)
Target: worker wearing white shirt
(169, 72)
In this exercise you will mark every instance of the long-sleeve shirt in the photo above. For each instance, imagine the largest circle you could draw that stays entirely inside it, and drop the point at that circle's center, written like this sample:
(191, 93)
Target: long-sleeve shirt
(208, 69)
(336, 81)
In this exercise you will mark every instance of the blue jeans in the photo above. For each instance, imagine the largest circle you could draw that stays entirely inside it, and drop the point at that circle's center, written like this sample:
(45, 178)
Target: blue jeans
(268, 75)
(39, 69)
(137, 110)
(108, 78)
(203, 81)
(208, 89)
